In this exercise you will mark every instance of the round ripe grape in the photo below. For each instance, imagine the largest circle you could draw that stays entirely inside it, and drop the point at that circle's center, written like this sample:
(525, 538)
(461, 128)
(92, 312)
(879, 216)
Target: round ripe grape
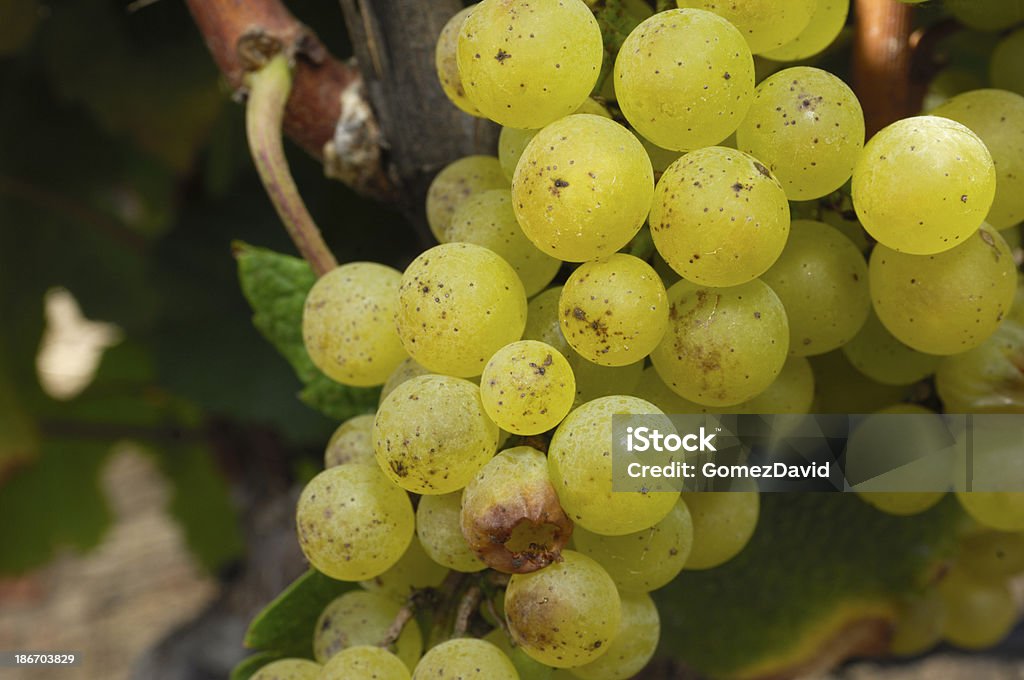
(512, 142)
(528, 668)
(684, 79)
(822, 280)
(542, 321)
(364, 661)
(289, 669)
(723, 345)
(614, 311)
(988, 378)
(526, 63)
(594, 381)
(458, 304)
(653, 389)
(791, 392)
(347, 323)
(487, 219)
(353, 523)
(919, 626)
(431, 434)
(719, 218)
(723, 523)
(902, 503)
(997, 117)
(880, 356)
(406, 370)
(580, 464)
(565, 615)
(582, 188)
(414, 571)
(1002, 510)
(923, 185)
(645, 560)
(1004, 69)
(766, 24)
(632, 647)
(440, 531)
(457, 182)
(992, 554)
(352, 442)
(465, 659)
(987, 15)
(527, 387)
(946, 303)
(978, 614)
(826, 23)
(447, 64)
(362, 618)
(807, 126)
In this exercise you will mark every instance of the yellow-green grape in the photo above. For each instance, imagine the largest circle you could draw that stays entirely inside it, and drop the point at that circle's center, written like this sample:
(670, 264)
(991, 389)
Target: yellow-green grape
(644, 560)
(766, 24)
(580, 464)
(526, 63)
(447, 64)
(807, 126)
(1004, 69)
(512, 142)
(684, 79)
(352, 442)
(362, 618)
(457, 182)
(431, 434)
(791, 392)
(723, 522)
(406, 370)
(458, 304)
(527, 387)
(987, 379)
(465, 659)
(542, 321)
(947, 84)
(923, 185)
(719, 218)
(289, 669)
(347, 323)
(826, 22)
(632, 647)
(653, 389)
(880, 356)
(582, 188)
(594, 381)
(1002, 510)
(18, 20)
(353, 523)
(364, 661)
(992, 554)
(440, 531)
(902, 503)
(528, 668)
(723, 345)
(979, 614)
(614, 311)
(997, 117)
(487, 219)
(822, 280)
(840, 388)
(987, 15)
(919, 626)
(945, 303)
(565, 615)
(846, 224)
(414, 571)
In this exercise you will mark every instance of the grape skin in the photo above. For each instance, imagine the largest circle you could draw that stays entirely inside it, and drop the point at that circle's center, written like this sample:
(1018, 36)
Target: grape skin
(406, 370)
(455, 183)
(527, 387)
(465, 659)
(512, 142)
(723, 523)
(978, 614)
(988, 378)
(919, 627)
(289, 669)
(440, 532)
(633, 645)
(826, 23)
(1004, 69)
(362, 618)
(352, 442)
(447, 64)
(880, 356)
(364, 662)
(413, 571)
(765, 24)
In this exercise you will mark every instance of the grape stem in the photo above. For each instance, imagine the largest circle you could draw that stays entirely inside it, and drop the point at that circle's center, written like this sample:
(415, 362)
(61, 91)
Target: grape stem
(467, 605)
(394, 631)
(269, 88)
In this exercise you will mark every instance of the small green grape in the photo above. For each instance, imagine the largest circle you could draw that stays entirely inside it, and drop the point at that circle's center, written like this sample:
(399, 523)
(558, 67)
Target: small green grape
(364, 661)
(512, 142)
(992, 554)
(527, 387)
(528, 668)
(542, 321)
(791, 392)
(876, 353)
(1004, 69)
(826, 23)
(465, 659)
(978, 614)
(447, 64)
(988, 378)
(594, 381)
(455, 183)
(919, 626)
(632, 647)
(653, 389)
(766, 24)
(406, 370)
(1002, 510)
(289, 669)
(440, 531)
(987, 15)
(413, 571)
(362, 618)
(723, 523)
(840, 388)
(352, 442)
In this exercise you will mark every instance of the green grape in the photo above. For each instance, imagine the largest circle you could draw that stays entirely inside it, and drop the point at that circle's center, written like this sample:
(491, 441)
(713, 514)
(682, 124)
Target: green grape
(512, 142)
(487, 219)
(431, 434)
(997, 117)
(582, 188)
(719, 218)
(632, 647)
(364, 661)
(362, 618)
(822, 280)
(406, 370)
(1014, 237)
(653, 389)
(880, 356)
(660, 158)
(414, 571)
(923, 185)
(723, 523)
(580, 465)
(945, 303)
(987, 15)
(807, 126)
(447, 64)
(565, 615)
(465, 659)
(988, 378)
(840, 388)
(458, 304)
(791, 392)
(991, 555)
(766, 24)
(527, 63)
(644, 560)
(352, 442)
(723, 345)
(457, 182)
(288, 669)
(614, 310)
(949, 83)
(919, 626)
(542, 321)
(978, 614)
(826, 23)
(353, 523)
(511, 516)
(594, 381)
(1002, 510)
(528, 668)
(18, 21)
(527, 387)
(1004, 69)
(347, 324)
(684, 79)
(440, 532)
(846, 224)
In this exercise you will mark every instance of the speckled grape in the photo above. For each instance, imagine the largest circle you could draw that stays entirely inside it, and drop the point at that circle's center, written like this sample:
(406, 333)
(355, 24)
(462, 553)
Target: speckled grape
(455, 183)
(352, 442)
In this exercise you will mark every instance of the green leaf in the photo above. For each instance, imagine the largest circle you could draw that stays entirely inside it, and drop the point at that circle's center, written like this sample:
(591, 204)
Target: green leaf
(248, 666)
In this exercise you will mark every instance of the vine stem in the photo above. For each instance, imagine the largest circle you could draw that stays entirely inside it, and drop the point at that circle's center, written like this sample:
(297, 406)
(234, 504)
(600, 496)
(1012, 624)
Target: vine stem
(881, 62)
(269, 88)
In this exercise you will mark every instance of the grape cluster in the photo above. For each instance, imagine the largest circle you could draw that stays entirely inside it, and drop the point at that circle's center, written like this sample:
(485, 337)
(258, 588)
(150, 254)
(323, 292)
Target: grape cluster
(658, 233)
